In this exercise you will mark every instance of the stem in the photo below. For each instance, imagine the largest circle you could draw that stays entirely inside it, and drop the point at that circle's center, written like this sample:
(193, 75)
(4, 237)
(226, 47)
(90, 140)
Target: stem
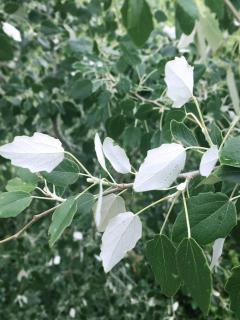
(232, 9)
(186, 215)
(156, 202)
(79, 163)
(234, 122)
(204, 128)
(29, 224)
(234, 198)
(168, 213)
(46, 198)
(84, 191)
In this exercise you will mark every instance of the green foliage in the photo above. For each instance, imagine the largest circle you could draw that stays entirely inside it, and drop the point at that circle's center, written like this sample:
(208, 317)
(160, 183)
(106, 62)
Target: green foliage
(233, 288)
(194, 272)
(13, 203)
(211, 216)
(230, 155)
(182, 134)
(161, 254)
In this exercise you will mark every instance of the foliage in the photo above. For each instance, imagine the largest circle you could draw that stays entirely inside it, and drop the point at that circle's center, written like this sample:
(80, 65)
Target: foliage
(78, 68)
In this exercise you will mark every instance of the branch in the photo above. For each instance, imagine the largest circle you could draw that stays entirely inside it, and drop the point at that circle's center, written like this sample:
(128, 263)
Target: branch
(35, 218)
(234, 11)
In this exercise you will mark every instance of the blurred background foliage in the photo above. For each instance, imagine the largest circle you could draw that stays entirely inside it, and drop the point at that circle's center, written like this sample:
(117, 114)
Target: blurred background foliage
(77, 71)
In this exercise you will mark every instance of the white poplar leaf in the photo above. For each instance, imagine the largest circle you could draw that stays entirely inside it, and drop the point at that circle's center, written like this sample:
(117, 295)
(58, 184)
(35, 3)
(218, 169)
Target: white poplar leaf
(11, 31)
(160, 168)
(99, 151)
(185, 40)
(120, 236)
(208, 161)
(179, 80)
(37, 153)
(217, 252)
(116, 156)
(111, 206)
(98, 208)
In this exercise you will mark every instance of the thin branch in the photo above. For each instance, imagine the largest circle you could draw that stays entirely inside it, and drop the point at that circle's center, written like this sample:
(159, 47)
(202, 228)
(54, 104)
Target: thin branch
(35, 218)
(234, 11)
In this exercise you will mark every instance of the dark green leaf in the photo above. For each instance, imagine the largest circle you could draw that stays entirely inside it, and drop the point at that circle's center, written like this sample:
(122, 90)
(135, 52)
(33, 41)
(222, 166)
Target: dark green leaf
(230, 154)
(13, 203)
(182, 134)
(61, 219)
(66, 173)
(215, 134)
(229, 174)
(80, 89)
(211, 216)
(189, 7)
(18, 184)
(161, 255)
(233, 288)
(137, 19)
(194, 272)
(85, 203)
(6, 49)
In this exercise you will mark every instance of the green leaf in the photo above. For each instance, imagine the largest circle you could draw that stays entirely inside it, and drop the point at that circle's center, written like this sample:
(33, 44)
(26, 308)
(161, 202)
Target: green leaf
(13, 203)
(228, 174)
(61, 219)
(80, 89)
(26, 175)
(215, 134)
(6, 49)
(161, 255)
(17, 184)
(230, 154)
(211, 216)
(137, 19)
(64, 174)
(194, 272)
(233, 288)
(85, 203)
(181, 133)
(186, 14)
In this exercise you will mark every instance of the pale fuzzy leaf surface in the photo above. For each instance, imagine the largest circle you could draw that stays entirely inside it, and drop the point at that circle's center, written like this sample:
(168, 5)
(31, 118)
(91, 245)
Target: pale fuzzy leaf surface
(37, 153)
(233, 91)
(120, 236)
(111, 206)
(217, 252)
(160, 168)
(11, 31)
(116, 155)
(208, 161)
(98, 208)
(179, 80)
(185, 40)
(99, 151)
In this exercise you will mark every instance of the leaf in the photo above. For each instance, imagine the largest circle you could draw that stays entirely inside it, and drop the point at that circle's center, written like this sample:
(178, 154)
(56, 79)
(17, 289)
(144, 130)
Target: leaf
(99, 151)
(27, 175)
(229, 174)
(111, 206)
(233, 91)
(61, 219)
(160, 168)
(179, 80)
(161, 255)
(182, 134)
(211, 216)
(186, 14)
(85, 203)
(217, 252)
(137, 19)
(120, 236)
(13, 203)
(37, 153)
(11, 31)
(116, 155)
(230, 155)
(233, 288)
(80, 89)
(215, 134)
(208, 161)
(209, 27)
(64, 174)
(189, 7)
(17, 184)
(194, 272)
(6, 48)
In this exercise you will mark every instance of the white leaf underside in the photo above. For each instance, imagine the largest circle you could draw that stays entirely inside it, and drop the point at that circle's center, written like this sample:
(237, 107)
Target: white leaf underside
(217, 252)
(99, 151)
(160, 168)
(116, 156)
(208, 161)
(120, 236)
(37, 153)
(111, 206)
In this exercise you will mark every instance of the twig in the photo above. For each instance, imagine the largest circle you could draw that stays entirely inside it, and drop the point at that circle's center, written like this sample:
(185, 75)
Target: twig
(35, 218)
(234, 11)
